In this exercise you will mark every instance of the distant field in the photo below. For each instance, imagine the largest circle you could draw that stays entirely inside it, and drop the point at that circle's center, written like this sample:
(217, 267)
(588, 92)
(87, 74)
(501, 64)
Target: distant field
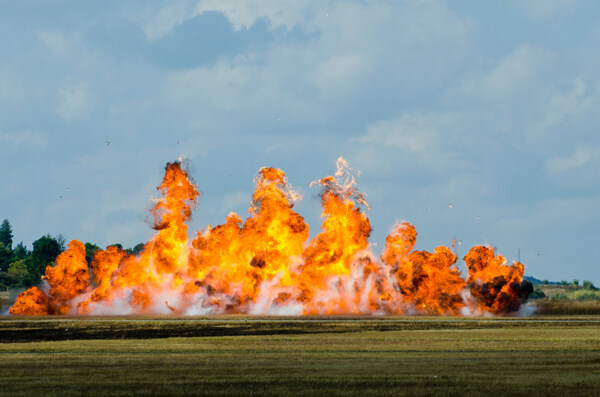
(569, 291)
(301, 356)
(4, 297)
(566, 300)
(567, 307)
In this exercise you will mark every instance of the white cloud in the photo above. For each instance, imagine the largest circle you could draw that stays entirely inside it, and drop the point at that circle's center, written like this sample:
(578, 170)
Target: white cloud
(243, 13)
(165, 19)
(334, 75)
(514, 75)
(55, 41)
(361, 52)
(412, 132)
(219, 86)
(546, 9)
(23, 138)
(581, 157)
(244, 87)
(74, 102)
(232, 200)
(576, 101)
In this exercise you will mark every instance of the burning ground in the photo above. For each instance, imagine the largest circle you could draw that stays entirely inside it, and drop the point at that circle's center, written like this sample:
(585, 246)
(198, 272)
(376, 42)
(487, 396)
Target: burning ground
(268, 265)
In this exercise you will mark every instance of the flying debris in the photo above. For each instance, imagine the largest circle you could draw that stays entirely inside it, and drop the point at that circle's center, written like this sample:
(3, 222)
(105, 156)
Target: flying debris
(266, 264)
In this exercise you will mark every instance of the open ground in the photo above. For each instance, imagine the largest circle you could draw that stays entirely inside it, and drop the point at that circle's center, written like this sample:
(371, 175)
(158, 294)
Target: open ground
(243, 355)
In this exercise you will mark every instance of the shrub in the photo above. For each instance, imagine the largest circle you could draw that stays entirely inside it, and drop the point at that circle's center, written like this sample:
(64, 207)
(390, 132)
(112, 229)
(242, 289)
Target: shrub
(587, 284)
(537, 294)
(584, 295)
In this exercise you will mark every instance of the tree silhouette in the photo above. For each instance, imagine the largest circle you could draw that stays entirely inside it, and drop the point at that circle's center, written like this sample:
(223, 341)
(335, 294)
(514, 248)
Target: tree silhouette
(45, 251)
(6, 257)
(6, 234)
(90, 250)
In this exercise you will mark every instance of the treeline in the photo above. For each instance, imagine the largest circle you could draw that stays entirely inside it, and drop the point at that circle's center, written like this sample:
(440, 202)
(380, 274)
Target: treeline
(20, 267)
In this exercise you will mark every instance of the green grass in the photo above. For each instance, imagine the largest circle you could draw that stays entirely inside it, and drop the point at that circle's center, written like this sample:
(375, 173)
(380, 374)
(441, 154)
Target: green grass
(341, 356)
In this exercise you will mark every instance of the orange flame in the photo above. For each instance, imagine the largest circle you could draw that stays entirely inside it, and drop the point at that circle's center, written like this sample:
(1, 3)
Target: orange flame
(429, 281)
(267, 264)
(32, 302)
(496, 288)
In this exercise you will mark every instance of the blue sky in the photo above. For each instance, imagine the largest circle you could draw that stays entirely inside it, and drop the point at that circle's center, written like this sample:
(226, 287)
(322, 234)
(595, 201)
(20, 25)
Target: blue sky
(472, 120)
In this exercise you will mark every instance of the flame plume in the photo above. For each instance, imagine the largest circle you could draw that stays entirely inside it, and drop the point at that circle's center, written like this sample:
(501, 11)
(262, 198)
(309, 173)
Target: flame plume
(32, 302)
(496, 288)
(267, 264)
(429, 281)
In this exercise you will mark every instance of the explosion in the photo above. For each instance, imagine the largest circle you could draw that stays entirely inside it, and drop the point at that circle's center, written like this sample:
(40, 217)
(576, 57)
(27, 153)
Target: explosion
(267, 264)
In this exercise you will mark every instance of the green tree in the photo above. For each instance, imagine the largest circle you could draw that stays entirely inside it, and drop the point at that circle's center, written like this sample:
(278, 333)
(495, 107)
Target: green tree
(90, 249)
(18, 274)
(135, 250)
(575, 282)
(7, 280)
(20, 251)
(545, 282)
(6, 257)
(62, 242)
(564, 282)
(17, 266)
(45, 251)
(6, 234)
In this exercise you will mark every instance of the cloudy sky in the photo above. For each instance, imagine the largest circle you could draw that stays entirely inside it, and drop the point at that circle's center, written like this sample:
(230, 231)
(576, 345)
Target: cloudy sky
(472, 120)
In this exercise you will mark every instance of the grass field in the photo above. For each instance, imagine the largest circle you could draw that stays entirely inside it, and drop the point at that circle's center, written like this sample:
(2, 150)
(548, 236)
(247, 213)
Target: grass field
(566, 300)
(301, 356)
(567, 307)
